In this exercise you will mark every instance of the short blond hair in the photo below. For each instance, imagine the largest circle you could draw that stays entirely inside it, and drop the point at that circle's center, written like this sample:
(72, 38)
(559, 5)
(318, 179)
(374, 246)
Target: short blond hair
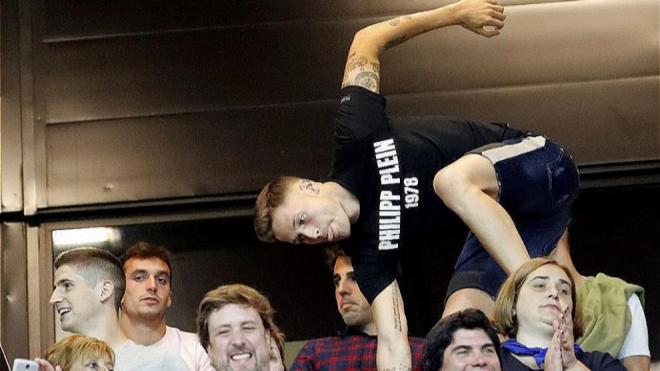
(232, 294)
(270, 197)
(76, 347)
(505, 319)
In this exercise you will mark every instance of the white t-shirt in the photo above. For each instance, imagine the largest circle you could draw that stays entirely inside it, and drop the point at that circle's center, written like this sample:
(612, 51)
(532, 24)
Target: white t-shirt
(637, 338)
(132, 356)
(187, 346)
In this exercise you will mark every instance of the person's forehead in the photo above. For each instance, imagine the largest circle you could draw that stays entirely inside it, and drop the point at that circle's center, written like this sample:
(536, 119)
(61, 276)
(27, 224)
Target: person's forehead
(283, 219)
(551, 271)
(95, 357)
(343, 265)
(151, 264)
(470, 337)
(68, 272)
(233, 314)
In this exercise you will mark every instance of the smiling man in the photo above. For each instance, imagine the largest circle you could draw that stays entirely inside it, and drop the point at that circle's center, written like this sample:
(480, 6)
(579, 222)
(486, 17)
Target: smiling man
(354, 348)
(147, 297)
(88, 287)
(463, 341)
(234, 325)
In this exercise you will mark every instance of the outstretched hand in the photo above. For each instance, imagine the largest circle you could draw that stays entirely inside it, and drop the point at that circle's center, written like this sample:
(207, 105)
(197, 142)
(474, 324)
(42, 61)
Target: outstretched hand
(484, 17)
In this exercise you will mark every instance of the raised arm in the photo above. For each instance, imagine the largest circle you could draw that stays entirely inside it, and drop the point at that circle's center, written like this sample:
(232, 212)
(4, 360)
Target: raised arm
(393, 351)
(484, 17)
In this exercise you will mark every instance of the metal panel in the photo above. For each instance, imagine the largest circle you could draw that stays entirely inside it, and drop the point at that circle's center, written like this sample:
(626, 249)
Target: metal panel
(278, 63)
(186, 155)
(191, 72)
(14, 305)
(614, 121)
(39, 288)
(171, 110)
(27, 102)
(74, 20)
(10, 110)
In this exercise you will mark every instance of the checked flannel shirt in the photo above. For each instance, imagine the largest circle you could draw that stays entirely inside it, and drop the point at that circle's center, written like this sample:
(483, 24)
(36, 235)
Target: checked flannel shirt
(350, 350)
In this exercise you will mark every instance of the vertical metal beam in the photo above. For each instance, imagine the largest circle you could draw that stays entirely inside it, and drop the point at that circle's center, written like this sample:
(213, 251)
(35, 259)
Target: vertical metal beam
(27, 102)
(34, 303)
(13, 290)
(11, 186)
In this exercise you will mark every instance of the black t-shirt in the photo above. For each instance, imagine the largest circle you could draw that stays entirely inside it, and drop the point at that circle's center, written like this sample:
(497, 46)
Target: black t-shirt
(389, 167)
(595, 361)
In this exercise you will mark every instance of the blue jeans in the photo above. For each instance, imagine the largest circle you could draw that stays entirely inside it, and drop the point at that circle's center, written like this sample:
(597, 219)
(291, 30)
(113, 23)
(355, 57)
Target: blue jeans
(538, 182)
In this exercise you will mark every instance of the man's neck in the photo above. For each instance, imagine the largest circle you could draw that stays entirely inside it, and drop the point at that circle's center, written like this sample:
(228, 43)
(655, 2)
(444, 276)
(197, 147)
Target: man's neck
(142, 332)
(107, 329)
(348, 201)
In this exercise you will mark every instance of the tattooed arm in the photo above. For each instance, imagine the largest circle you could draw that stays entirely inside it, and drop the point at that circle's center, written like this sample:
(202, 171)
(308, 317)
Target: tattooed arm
(363, 65)
(393, 352)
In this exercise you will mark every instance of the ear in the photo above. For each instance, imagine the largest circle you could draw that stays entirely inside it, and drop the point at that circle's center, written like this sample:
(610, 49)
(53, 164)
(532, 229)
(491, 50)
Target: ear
(169, 300)
(307, 185)
(106, 290)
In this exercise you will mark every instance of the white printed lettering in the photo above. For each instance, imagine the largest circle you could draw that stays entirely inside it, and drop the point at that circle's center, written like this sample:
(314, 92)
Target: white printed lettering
(384, 145)
(387, 245)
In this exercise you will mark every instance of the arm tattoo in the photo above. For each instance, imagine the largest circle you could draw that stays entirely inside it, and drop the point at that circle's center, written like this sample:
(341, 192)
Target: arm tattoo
(395, 21)
(355, 63)
(362, 72)
(396, 297)
(367, 80)
(396, 41)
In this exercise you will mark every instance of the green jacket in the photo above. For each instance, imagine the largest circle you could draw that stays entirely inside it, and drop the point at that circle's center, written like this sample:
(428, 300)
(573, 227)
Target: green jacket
(607, 318)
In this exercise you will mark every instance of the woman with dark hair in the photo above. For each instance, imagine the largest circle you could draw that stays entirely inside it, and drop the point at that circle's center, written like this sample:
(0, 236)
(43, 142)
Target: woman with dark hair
(536, 309)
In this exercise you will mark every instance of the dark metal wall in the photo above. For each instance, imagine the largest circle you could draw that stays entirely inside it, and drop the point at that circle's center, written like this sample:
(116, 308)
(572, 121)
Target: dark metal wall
(150, 101)
(124, 108)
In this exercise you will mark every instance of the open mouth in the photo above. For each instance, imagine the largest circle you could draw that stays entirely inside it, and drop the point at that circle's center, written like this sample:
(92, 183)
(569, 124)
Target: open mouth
(238, 357)
(63, 311)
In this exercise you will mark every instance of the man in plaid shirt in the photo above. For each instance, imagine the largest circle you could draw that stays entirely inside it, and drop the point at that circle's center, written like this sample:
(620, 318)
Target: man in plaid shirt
(354, 348)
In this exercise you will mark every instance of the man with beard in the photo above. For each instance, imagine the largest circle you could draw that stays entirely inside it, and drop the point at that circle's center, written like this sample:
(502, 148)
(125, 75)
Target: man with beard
(89, 284)
(147, 297)
(234, 325)
(355, 347)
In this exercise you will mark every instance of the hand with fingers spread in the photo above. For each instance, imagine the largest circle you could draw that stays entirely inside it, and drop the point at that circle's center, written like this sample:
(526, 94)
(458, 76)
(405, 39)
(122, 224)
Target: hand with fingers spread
(484, 17)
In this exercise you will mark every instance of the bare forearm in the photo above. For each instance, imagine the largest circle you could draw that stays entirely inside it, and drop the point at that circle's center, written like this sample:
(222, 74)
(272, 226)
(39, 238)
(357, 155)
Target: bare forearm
(363, 65)
(393, 352)
(637, 363)
(395, 31)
